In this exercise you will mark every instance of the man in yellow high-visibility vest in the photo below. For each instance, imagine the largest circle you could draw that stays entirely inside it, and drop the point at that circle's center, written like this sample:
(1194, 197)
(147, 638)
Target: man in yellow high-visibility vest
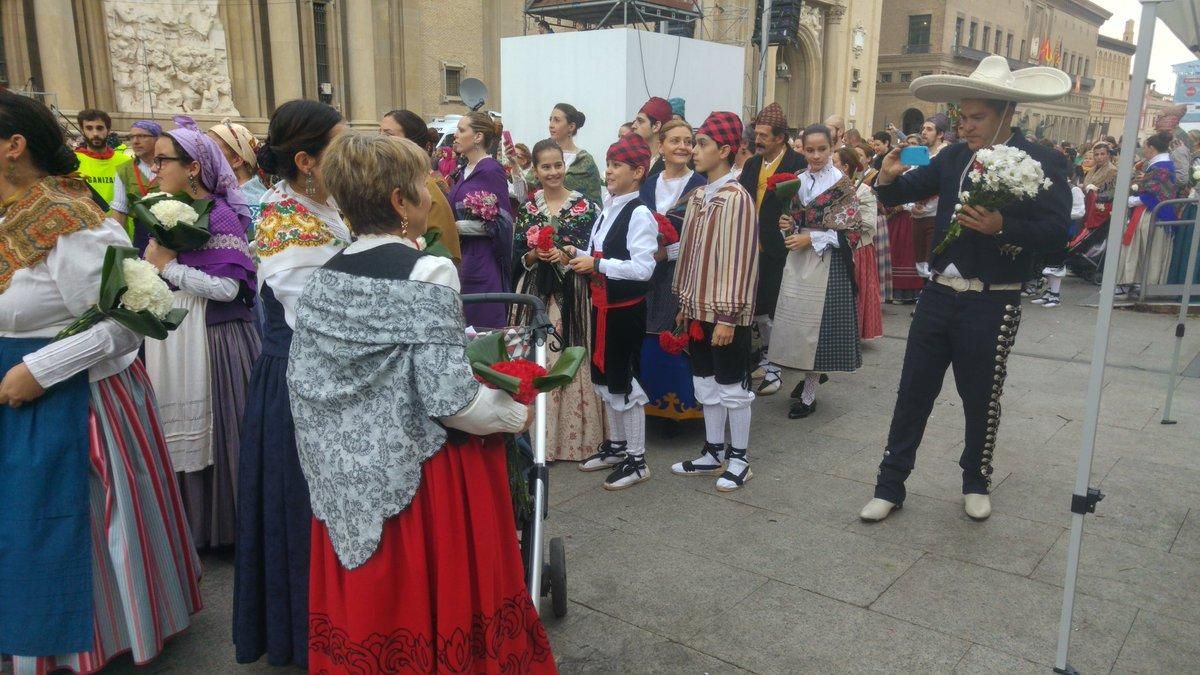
(100, 164)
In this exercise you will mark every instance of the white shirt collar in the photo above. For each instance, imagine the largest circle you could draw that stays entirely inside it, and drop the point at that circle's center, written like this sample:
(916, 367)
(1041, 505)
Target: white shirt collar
(813, 184)
(611, 202)
(710, 190)
(1160, 157)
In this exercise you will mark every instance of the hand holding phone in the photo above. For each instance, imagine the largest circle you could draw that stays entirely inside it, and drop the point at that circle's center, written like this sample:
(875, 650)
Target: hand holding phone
(914, 155)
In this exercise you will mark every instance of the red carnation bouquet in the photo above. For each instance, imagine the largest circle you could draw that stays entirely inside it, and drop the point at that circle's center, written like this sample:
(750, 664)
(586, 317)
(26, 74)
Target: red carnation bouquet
(675, 341)
(521, 378)
(667, 234)
(783, 186)
(541, 238)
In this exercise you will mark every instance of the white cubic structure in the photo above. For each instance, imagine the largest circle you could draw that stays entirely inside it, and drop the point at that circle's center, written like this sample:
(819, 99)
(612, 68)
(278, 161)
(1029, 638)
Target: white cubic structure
(608, 74)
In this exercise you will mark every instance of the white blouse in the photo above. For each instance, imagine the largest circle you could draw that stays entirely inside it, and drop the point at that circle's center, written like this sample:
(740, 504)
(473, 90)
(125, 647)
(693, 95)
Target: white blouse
(43, 299)
(492, 410)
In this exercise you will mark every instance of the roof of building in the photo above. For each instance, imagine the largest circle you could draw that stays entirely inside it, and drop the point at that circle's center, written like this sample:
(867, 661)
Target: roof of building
(1106, 42)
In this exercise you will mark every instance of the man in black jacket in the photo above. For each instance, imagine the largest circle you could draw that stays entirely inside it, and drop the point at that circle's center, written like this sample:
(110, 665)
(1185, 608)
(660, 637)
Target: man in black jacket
(967, 316)
(773, 155)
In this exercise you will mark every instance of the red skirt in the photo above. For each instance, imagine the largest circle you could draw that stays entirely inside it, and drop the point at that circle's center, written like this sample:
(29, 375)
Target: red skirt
(870, 308)
(904, 257)
(445, 591)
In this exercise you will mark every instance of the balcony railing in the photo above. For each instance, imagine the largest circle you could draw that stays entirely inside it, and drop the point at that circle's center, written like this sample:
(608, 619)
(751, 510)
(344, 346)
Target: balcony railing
(916, 49)
(970, 53)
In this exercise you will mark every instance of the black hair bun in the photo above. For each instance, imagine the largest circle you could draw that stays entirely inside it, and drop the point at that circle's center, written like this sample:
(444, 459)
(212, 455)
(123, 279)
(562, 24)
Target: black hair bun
(62, 162)
(267, 160)
(580, 118)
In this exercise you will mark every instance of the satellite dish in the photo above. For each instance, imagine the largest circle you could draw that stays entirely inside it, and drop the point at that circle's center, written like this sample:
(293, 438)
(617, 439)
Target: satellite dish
(473, 93)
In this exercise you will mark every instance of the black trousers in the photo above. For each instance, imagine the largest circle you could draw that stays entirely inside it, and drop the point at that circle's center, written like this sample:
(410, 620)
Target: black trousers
(973, 334)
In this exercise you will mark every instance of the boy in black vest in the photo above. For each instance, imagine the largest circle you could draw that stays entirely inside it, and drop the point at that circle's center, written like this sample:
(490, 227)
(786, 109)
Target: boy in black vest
(620, 259)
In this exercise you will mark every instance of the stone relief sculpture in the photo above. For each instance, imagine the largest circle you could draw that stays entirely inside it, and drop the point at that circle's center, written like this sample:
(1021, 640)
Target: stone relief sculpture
(813, 19)
(169, 56)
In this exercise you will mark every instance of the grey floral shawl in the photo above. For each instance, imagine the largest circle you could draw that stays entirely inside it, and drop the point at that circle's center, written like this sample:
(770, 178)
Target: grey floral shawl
(373, 363)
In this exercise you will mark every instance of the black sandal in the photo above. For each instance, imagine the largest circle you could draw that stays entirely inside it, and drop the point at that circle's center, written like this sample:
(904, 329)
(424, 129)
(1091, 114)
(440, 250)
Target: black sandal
(738, 479)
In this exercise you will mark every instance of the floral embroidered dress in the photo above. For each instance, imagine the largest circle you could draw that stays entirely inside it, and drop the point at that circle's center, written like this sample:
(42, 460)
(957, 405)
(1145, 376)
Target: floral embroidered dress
(1157, 184)
(576, 421)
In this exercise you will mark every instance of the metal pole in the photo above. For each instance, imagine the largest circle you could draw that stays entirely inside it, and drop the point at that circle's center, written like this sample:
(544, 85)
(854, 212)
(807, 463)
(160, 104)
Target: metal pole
(539, 482)
(762, 58)
(1184, 305)
(1083, 500)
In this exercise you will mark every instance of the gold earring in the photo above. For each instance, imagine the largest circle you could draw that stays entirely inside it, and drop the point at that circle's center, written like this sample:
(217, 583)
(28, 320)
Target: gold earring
(403, 226)
(308, 184)
(191, 183)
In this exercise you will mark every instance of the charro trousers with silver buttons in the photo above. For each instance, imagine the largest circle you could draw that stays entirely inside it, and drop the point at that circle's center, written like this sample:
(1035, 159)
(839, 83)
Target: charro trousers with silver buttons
(972, 333)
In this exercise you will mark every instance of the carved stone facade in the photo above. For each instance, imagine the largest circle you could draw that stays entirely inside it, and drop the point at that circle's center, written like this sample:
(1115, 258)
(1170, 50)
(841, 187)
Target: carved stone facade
(169, 56)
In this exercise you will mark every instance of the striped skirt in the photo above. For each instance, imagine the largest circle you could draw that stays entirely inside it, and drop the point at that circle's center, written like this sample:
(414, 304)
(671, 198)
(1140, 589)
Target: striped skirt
(145, 571)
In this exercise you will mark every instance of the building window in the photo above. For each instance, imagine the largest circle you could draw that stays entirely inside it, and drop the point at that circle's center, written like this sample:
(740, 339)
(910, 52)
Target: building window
(885, 78)
(905, 78)
(971, 35)
(918, 29)
(855, 79)
(452, 75)
(1024, 55)
(958, 27)
(1087, 67)
(1008, 45)
(996, 47)
(1071, 63)
(320, 12)
(926, 73)
(987, 37)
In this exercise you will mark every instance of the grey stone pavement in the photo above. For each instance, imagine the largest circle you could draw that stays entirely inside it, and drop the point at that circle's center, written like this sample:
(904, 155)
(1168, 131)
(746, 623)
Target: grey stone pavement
(781, 577)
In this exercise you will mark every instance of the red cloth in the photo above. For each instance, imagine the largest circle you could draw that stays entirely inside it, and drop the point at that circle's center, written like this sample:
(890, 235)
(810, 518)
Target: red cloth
(1131, 225)
(1095, 213)
(445, 590)
(600, 302)
(904, 258)
(870, 308)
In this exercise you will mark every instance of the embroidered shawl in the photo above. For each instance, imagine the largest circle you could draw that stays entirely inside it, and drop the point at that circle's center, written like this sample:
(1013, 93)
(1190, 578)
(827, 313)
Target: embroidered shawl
(374, 362)
(55, 206)
(293, 231)
(834, 209)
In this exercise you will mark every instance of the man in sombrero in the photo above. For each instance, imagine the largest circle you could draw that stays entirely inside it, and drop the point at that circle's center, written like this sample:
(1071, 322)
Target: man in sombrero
(968, 314)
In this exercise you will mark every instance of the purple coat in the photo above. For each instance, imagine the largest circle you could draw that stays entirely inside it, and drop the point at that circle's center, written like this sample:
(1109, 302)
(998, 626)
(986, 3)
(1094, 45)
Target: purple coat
(486, 261)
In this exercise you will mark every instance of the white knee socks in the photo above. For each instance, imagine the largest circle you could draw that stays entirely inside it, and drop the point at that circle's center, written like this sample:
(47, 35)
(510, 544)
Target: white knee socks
(739, 427)
(616, 424)
(1055, 283)
(714, 423)
(634, 421)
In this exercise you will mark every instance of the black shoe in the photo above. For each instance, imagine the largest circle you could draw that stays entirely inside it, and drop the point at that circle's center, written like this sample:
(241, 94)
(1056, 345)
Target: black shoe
(799, 389)
(801, 409)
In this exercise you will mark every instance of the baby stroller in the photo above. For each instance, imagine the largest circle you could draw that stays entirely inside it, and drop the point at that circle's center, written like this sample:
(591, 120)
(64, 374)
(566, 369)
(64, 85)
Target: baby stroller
(1086, 252)
(543, 577)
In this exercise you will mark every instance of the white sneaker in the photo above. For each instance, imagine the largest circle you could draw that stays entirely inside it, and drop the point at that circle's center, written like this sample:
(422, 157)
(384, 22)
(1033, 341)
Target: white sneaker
(978, 507)
(876, 510)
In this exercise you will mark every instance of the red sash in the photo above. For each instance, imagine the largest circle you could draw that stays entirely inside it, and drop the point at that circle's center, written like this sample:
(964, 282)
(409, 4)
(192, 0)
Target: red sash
(599, 284)
(1131, 226)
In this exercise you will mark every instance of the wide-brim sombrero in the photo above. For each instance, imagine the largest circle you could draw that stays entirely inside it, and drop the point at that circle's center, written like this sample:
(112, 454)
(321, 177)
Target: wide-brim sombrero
(993, 79)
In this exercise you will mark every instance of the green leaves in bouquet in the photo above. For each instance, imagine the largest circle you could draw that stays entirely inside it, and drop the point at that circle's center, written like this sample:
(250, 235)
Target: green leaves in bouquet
(786, 191)
(487, 349)
(112, 287)
(434, 245)
(181, 237)
(564, 370)
(506, 382)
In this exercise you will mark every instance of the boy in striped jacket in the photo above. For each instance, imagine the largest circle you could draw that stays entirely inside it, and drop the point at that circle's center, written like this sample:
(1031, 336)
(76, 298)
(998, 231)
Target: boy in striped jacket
(716, 280)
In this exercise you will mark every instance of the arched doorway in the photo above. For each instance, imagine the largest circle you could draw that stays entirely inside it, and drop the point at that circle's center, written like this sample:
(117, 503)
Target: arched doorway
(911, 121)
(799, 91)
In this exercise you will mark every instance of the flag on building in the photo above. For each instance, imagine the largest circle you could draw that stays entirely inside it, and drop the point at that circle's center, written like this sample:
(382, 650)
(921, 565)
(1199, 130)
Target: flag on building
(1058, 54)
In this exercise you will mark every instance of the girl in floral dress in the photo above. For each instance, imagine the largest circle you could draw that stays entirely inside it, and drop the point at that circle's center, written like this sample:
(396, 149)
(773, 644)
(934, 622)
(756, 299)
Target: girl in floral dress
(576, 423)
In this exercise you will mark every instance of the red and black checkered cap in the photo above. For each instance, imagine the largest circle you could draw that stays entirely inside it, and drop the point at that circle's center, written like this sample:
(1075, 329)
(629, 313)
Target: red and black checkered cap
(657, 109)
(631, 149)
(725, 128)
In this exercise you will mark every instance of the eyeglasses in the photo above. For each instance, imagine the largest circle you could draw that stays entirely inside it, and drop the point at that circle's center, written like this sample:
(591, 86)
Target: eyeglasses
(158, 161)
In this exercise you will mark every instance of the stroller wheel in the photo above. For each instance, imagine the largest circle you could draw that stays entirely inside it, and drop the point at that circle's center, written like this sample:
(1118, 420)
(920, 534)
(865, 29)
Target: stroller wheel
(558, 577)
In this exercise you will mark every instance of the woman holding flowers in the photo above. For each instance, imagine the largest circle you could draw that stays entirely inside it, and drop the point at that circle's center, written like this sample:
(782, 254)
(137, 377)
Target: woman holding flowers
(666, 376)
(300, 228)
(97, 558)
(484, 218)
(414, 563)
(201, 370)
(552, 218)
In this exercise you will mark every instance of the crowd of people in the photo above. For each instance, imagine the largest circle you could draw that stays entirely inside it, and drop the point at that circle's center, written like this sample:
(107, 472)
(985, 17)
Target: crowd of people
(316, 409)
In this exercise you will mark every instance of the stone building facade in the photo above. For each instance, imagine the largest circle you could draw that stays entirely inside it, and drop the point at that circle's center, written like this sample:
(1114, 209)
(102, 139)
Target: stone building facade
(952, 36)
(1110, 97)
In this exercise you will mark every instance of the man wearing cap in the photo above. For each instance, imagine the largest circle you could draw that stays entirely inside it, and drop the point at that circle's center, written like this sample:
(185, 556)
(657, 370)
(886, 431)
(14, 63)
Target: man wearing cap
(138, 177)
(968, 315)
(647, 123)
(774, 155)
(678, 108)
(619, 258)
(933, 136)
(720, 243)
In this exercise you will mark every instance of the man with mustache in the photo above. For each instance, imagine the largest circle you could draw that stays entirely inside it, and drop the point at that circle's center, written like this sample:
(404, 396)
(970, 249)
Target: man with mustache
(774, 155)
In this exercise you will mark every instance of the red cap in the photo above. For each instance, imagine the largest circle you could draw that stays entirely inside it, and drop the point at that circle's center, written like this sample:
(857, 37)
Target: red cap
(630, 149)
(657, 109)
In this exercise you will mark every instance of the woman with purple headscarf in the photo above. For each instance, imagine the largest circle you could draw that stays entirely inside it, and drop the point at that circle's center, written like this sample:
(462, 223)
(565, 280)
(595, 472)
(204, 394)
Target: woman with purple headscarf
(201, 370)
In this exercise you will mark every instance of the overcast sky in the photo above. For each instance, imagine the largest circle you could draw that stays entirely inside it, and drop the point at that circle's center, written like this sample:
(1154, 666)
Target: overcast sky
(1168, 50)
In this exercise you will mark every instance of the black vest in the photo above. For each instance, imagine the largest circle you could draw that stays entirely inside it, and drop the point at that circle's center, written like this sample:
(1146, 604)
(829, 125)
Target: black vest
(387, 261)
(616, 246)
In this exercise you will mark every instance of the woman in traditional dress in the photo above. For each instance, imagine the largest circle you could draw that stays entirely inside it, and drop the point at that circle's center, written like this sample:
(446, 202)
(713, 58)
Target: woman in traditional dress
(667, 378)
(408, 124)
(415, 566)
(583, 176)
(201, 370)
(299, 229)
(816, 322)
(97, 557)
(1140, 258)
(866, 272)
(575, 426)
(240, 148)
(486, 244)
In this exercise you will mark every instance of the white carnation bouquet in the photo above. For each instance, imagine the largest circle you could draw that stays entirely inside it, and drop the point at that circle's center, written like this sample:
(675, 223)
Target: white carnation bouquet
(999, 175)
(176, 221)
(132, 294)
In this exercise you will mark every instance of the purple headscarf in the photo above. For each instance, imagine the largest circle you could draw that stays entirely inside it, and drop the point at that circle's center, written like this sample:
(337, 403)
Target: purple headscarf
(152, 128)
(215, 173)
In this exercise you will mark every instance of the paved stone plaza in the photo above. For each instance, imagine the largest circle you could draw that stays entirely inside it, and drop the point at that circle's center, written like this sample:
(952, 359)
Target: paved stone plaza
(781, 577)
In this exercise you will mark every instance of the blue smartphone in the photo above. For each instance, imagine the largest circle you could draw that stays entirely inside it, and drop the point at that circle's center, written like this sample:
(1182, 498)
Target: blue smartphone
(914, 155)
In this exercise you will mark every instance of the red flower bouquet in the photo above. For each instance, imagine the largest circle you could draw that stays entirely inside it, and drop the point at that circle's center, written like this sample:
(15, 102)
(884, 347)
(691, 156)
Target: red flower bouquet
(521, 378)
(667, 234)
(675, 341)
(525, 372)
(783, 186)
(696, 331)
(540, 238)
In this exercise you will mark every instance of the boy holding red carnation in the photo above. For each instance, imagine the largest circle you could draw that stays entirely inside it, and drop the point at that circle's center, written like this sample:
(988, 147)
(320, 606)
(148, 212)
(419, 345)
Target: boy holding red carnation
(716, 281)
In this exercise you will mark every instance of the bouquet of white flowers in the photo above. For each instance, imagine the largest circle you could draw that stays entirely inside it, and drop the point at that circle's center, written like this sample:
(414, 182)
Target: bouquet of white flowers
(133, 295)
(999, 175)
(177, 221)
